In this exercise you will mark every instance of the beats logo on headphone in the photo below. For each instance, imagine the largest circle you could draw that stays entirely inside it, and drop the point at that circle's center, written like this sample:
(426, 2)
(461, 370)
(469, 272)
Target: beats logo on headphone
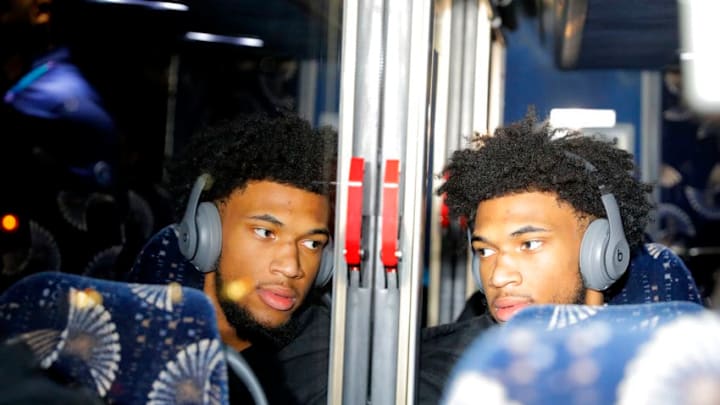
(604, 251)
(200, 234)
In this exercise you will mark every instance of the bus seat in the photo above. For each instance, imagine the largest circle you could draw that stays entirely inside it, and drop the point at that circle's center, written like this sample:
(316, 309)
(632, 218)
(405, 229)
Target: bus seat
(161, 262)
(614, 354)
(656, 274)
(130, 343)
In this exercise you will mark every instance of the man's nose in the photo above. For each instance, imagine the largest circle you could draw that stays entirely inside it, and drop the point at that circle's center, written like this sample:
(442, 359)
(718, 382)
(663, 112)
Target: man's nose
(505, 272)
(286, 260)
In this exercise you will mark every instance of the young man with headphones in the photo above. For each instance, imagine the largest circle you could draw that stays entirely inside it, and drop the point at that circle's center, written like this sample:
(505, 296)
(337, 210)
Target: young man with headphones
(255, 223)
(553, 218)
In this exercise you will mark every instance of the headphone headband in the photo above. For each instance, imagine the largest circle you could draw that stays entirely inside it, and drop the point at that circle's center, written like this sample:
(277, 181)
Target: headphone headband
(589, 167)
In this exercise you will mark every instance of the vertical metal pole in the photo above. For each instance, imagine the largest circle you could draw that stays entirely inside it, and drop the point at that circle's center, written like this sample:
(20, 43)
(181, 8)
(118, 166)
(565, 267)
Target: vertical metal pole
(368, 84)
(441, 45)
(467, 90)
(482, 68)
(497, 83)
(307, 89)
(386, 293)
(332, 69)
(650, 135)
(413, 207)
(455, 75)
(345, 152)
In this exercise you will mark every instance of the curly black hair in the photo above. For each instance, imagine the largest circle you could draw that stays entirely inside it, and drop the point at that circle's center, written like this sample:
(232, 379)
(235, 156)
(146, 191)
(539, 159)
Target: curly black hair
(528, 156)
(282, 148)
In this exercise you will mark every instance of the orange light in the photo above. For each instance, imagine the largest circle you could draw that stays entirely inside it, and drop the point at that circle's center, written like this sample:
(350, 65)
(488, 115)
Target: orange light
(10, 223)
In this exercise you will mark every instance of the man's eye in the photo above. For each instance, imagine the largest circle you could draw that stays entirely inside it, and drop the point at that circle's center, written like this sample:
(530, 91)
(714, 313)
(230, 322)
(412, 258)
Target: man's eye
(484, 252)
(532, 244)
(263, 233)
(312, 244)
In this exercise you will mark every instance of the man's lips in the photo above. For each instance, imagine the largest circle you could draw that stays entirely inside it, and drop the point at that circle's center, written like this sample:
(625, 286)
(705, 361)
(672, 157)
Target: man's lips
(506, 307)
(277, 297)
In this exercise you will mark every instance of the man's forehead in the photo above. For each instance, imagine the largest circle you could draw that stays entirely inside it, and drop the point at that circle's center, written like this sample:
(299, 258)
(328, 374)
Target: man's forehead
(281, 202)
(254, 187)
(527, 208)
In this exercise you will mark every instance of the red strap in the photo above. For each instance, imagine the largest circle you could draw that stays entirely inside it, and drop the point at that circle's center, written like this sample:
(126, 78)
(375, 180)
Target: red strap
(354, 213)
(444, 212)
(391, 186)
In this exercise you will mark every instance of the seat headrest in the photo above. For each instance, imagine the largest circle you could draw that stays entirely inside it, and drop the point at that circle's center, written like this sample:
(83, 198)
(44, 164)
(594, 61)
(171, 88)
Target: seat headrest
(615, 354)
(131, 343)
(160, 262)
(656, 274)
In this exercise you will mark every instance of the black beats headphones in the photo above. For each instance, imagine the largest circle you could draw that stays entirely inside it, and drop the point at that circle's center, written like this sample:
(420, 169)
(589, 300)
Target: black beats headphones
(604, 251)
(200, 235)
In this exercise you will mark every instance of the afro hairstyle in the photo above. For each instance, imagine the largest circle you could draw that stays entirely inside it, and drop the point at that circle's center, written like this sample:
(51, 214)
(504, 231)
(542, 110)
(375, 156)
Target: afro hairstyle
(281, 148)
(527, 156)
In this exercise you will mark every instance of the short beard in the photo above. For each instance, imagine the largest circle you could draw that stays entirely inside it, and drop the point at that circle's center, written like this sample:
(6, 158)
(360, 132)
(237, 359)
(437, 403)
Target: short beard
(576, 297)
(248, 328)
(581, 292)
(580, 295)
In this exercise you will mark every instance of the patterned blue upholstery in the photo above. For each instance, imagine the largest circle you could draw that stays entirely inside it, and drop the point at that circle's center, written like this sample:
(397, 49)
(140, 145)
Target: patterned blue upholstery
(160, 262)
(131, 343)
(566, 354)
(656, 274)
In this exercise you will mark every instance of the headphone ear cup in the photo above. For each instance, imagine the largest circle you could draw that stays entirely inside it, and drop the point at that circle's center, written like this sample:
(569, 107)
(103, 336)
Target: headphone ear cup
(327, 263)
(187, 238)
(209, 237)
(475, 263)
(617, 257)
(592, 255)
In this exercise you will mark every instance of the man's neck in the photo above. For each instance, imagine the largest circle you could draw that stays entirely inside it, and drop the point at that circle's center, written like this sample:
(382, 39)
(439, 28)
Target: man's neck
(594, 297)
